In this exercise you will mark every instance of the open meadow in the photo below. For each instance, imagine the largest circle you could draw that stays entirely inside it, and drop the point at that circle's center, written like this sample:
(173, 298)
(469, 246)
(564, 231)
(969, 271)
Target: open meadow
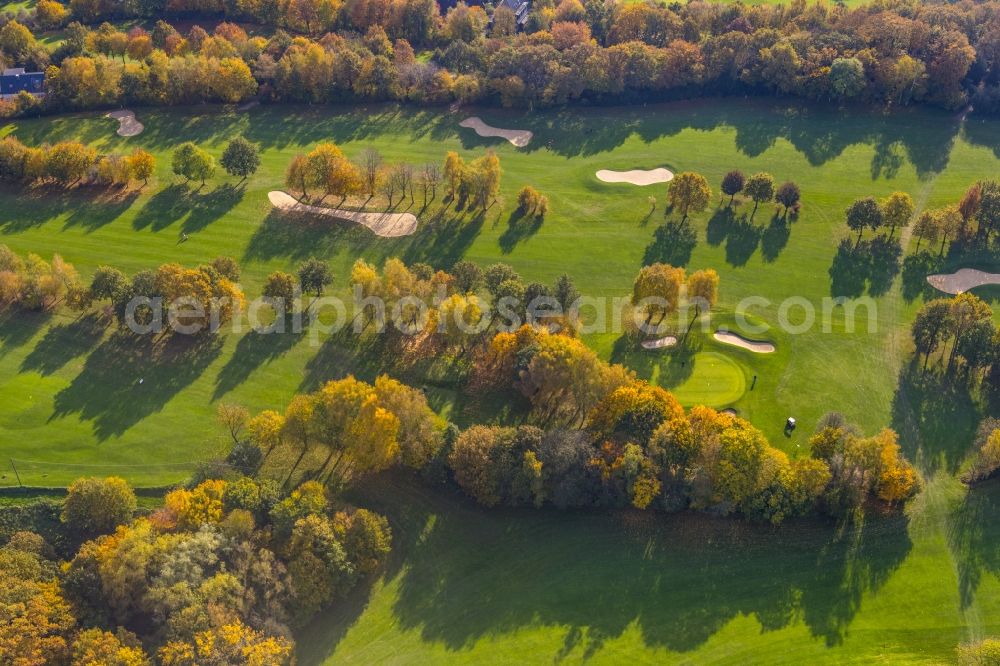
(469, 585)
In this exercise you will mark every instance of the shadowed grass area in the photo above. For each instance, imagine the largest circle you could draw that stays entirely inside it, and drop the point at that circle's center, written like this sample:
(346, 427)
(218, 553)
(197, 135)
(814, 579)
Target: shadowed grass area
(467, 585)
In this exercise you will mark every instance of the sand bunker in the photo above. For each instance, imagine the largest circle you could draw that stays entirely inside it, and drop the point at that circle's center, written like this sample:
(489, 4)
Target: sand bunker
(636, 176)
(127, 124)
(962, 280)
(519, 138)
(388, 225)
(660, 343)
(729, 338)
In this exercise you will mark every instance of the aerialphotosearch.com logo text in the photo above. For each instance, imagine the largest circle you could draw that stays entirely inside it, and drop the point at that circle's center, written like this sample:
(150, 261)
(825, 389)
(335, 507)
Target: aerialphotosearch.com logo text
(472, 314)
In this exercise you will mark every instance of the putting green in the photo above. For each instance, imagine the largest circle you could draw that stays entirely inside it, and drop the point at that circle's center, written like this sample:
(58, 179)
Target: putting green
(715, 380)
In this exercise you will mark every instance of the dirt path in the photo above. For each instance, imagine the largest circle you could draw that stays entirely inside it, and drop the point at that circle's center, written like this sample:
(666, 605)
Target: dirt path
(387, 225)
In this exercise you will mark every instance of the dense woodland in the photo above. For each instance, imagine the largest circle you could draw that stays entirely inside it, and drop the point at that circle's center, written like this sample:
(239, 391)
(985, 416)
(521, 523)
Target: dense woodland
(600, 51)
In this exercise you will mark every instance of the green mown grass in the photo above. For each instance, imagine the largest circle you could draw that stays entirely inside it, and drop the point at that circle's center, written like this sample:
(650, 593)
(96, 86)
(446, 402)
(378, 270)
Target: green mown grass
(467, 585)
(70, 390)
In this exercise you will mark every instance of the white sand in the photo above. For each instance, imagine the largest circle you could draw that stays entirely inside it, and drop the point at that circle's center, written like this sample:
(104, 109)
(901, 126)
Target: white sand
(726, 337)
(962, 280)
(127, 124)
(519, 138)
(246, 106)
(660, 343)
(388, 225)
(636, 176)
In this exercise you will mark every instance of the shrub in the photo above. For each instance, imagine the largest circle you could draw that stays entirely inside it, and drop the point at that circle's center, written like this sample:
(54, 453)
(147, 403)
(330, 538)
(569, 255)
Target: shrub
(96, 506)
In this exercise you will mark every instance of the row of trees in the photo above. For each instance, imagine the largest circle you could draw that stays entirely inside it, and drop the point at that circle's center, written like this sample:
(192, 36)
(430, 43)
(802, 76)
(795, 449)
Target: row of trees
(71, 163)
(760, 188)
(240, 158)
(218, 575)
(606, 50)
(659, 288)
(457, 299)
(210, 293)
(639, 447)
(35, 284)
(972, 220)
(327, 171)
(689, 192)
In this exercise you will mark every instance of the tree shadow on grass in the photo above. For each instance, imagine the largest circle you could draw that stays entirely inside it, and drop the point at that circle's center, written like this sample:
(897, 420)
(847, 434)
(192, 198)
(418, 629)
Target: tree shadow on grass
(87, 207)
(294, 236)
(252, 351)
(62, 343)
(198, 207)
(870, 265)
(739, 233)
(916, 268)
(935, 416)
(520, 227)
(671, 365)
(973, 536)
(19, 326)
(108, 391)
(673, 242)
(775, 238)
(466, 573)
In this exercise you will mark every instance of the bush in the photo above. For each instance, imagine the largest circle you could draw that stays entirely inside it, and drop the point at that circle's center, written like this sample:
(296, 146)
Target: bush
(531, 202)
(987, 459)
(984, 653)
(96, 506)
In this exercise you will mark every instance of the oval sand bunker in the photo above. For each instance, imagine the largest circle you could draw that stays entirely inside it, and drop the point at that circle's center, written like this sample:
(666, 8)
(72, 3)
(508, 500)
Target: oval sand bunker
(127, 124)
(639, 177)
(660, 343)
(962, 280)
(387, 225)
(519, 138)
(729, 338)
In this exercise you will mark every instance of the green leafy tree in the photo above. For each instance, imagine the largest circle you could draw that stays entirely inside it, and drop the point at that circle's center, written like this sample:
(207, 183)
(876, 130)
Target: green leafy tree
(193, 163)
(314, 275)
(864, 213)
(241, 158)
(847, 77)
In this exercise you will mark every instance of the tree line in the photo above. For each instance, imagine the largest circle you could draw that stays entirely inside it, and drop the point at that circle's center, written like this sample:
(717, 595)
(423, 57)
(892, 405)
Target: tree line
(220, 573)
(326, 171)
(210, 292)
(70, 163)
(601, 50)
(689, 192)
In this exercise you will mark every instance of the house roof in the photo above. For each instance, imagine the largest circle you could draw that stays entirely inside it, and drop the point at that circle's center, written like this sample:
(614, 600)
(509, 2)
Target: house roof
(14, 71)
